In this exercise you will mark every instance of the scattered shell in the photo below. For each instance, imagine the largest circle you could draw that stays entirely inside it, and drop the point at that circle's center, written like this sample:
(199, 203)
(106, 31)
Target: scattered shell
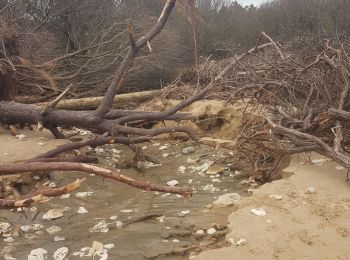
(41, 143)
(31, 228)
(163, 147)
(5, 227)
(239, 242)
(53, 214)
(61, 253)
(211, 231)
(8, 257)
(116, 151)
(101, 226)
(53, 229)
(127, 210)
(172, 183)
(319, 162)
(37, 254)
(228, 199)
(275, 197)
(161, 219)
(258, 212)
(9, 240)
(164, 155)
(82, 210)
(108, 246)
(176, 240)
(200, 231)
(340, 168)
(21, 136)
(113, 217)
(119, 224)
(310, 190)
(58, 238)
(182, 169)
(83, 194)
(65, 196)
(183, 213)
(52, 185)
(210, 187)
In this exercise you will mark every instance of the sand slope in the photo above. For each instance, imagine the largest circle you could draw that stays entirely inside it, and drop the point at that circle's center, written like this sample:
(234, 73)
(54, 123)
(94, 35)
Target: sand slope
(301, 225)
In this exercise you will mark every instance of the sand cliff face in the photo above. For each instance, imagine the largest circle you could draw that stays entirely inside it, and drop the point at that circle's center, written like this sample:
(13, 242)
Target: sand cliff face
(305, 223)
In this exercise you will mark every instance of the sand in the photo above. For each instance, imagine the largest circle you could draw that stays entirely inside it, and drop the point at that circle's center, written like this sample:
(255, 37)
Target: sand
(300, 225)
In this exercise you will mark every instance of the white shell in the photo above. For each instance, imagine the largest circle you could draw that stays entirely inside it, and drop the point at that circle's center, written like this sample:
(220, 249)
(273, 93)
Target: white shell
(61, 253)
(258, 212)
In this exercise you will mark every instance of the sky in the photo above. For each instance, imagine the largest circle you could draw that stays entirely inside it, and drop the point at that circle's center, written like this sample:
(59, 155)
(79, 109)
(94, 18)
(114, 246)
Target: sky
(249, 2)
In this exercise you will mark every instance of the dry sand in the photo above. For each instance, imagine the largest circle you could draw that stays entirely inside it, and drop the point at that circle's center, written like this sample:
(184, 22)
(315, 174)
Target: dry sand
(300, 225)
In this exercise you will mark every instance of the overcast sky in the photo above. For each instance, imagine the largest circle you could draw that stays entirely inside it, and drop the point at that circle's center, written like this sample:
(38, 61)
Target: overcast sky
(248, 2)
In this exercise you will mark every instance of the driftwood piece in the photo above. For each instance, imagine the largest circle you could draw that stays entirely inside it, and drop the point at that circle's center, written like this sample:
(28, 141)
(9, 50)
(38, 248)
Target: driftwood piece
(93, 102)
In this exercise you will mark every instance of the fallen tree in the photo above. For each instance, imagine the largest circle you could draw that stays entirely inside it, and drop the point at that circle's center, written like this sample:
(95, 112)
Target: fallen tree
(115, 126)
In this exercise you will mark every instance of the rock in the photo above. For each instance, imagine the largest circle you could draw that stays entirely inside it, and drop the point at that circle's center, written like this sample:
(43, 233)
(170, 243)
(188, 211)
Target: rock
(53, 214)
(53, 229)
(164, 155)
(275, 197)
(37, 254)
(211, 231)
(176, 241)
(60, 253)
(172, 183)
(8, 257)
(310, 190)
(228, 199)
(215, 169)
(200, 232)
(188, 150)
(216, 180)
(101, 226)
(114, 217)
(82, 210)
(258, 212)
